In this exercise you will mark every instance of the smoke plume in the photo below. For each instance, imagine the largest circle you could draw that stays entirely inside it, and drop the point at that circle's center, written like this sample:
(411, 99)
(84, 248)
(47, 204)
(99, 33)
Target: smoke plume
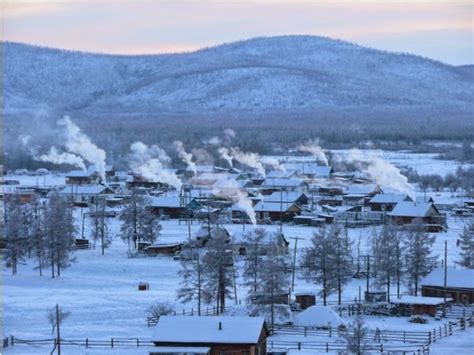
(187, 158)
(80, 144)
(312, 147)
(230, 189)
(249, 159)
(381, 171)
(56, 157)
(225, 154)
(150, 162)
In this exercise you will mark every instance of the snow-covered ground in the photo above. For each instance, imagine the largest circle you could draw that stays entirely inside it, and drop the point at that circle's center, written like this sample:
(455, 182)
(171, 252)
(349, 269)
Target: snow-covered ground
(101, 291)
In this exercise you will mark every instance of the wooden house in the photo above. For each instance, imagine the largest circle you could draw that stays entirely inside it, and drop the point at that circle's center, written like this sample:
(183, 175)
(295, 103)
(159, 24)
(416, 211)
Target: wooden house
(213, 335)
(162, 249)
(407, 212)
(286, 184)
(171, 206)
(386, 202)
(81, 177)
(459, 285)
(277, 211)
(87, 194)
(297, 197)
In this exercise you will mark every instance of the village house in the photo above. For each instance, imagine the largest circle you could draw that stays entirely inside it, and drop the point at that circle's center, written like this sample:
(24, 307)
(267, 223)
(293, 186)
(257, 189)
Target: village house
(162, 249)
(81, 177)
(386, 202)
(297, 197)
(88, 194)
(459, 285)
(310, 170)
(172, 206)
(277, 211)
(407, 212)
(218, 335)
(360, 194)
(287, 184)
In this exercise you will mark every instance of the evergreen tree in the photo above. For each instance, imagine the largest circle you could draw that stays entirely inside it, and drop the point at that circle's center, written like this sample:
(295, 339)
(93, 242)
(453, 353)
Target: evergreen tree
(192, 275)
(16, 234)
(466, 246)
(217, 266)
(341, 259)
(138, 223)
(253, 258)
(273, 280)
(100, 227)
(387, 252)
(59, 234)
(317, 263)
(418, 245)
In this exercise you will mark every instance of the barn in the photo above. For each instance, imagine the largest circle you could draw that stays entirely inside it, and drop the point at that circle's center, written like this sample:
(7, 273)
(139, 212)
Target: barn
(220, 335)
(459, 285)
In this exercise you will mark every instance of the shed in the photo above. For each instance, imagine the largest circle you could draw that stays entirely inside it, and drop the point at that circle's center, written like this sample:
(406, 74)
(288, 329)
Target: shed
(162, 249)
(407, 212)
(459, 284)
(277, 211)
(419, 304)
(305, 299)
(221, 334)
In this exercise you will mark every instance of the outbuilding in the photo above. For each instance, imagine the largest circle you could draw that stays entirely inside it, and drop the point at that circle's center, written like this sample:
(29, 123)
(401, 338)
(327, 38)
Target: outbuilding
(459, 285)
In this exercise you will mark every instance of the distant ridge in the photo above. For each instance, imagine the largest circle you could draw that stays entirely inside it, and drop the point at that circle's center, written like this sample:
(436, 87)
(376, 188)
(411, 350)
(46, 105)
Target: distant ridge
(296, 74)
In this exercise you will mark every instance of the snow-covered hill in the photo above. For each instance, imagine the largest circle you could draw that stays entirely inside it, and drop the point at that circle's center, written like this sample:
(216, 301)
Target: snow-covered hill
(284, 74)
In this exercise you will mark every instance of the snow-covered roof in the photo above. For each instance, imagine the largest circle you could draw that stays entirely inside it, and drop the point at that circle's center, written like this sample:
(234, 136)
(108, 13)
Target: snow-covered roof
(411, 209)
(412, 300)
(278, 174)
(458, 278)
(361, 189)
(309, 168)
(91, 189)
(293, 182)
(166, 201)
(181, 350)
(272, 206)
(205, 330)
(285, 196)
(389, 198)
(318, 316)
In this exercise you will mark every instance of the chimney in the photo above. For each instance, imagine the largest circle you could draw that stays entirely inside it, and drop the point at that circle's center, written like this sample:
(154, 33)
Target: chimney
(220, 325)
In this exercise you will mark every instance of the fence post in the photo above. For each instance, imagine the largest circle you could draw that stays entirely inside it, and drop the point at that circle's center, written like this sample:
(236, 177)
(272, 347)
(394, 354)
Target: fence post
(138, 342)
(450, 325)
(434, 335)
(463, 324)
(305, 331)
(13, 340)
(112, 342)
(445, 330)
(87, 343)
(404, 336)
(330, 332)
(299, 346)
(381, 348)
(183, 312)
(429, 338)
(192, 311)
(327, 347)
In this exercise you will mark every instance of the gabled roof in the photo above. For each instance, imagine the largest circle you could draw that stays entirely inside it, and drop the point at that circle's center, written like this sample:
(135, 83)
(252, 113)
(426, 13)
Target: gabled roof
(285, 196)
(412, 209)
(92, 189)
(458, 278)
(278, 174)
(273, 206)
(293, 182)
(269, 236)
(362, 189)
(205, 330)
(389, 198)
(166, 201)
(309, 168)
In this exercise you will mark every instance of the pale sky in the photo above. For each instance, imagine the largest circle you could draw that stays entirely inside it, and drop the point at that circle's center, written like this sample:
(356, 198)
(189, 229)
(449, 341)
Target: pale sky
(439, 29)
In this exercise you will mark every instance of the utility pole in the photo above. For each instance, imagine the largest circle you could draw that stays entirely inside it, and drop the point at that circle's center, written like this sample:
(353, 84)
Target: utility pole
(368, 273)
(445, 275)
(58, 335)
(294, 264)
